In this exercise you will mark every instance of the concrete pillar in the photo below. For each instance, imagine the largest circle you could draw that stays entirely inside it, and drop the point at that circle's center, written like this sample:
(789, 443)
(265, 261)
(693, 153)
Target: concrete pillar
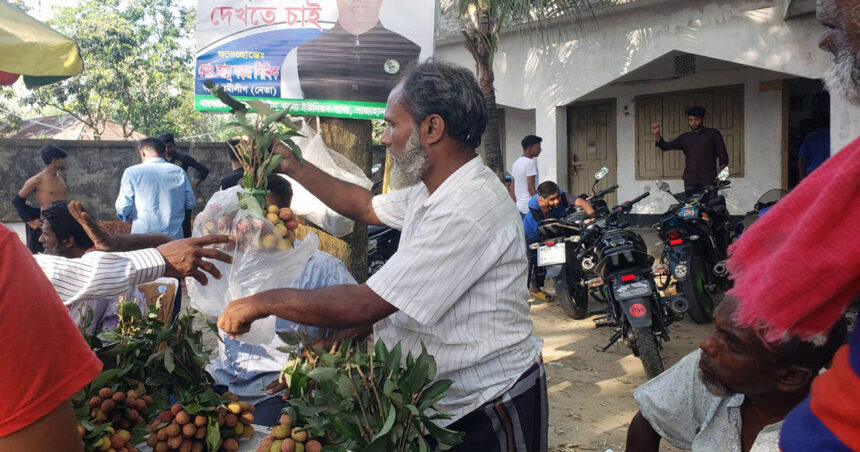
(551, 125)
(844, 123)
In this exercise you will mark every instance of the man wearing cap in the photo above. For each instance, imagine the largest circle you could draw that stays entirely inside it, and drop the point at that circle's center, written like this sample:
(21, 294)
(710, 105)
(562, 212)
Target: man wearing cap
(357, 60)
(702, 147)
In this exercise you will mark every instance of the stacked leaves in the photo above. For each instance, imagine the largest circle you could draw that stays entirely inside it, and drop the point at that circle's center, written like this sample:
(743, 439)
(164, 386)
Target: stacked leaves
(369, 402)
(254, 150)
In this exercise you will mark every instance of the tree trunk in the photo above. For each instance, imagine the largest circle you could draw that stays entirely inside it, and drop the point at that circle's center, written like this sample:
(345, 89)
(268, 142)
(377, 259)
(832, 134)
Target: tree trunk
(352, 138)
(481, 43)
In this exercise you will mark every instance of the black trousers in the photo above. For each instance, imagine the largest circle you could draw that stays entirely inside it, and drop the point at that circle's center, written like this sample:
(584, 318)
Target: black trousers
(537, 275)
(186, 224)
(33, 243)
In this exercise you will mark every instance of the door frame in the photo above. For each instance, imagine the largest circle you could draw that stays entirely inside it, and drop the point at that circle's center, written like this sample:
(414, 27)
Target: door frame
(613, 135)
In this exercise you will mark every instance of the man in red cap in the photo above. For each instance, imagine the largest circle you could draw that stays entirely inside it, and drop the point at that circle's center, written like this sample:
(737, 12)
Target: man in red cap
(798, 268)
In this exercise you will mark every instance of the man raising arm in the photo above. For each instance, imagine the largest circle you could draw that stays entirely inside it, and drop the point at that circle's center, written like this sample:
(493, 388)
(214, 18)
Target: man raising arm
(457, 282)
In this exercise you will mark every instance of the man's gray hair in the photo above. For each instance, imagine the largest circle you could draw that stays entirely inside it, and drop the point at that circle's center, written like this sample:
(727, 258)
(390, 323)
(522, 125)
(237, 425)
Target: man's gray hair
(450, 91)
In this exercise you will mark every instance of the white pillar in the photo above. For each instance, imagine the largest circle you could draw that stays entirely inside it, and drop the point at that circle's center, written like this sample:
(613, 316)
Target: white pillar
(551, 125)
(844, 123)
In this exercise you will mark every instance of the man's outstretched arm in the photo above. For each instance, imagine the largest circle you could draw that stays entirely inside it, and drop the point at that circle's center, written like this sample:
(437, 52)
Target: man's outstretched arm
(346, 306)
(345, 198)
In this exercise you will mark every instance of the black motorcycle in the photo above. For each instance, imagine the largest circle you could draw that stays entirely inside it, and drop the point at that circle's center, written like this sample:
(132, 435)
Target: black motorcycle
(558, 249)
(695, 235)
(623, 279)
(382, 241)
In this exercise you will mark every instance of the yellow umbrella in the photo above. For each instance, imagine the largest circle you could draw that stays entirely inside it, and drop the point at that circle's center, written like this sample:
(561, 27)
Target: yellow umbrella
(32, 49)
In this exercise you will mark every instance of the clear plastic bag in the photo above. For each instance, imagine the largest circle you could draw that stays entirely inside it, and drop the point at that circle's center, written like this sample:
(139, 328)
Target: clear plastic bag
(260, 260)
(332, 163)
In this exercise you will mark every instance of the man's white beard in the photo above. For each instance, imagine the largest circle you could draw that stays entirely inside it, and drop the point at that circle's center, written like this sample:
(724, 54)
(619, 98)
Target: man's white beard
(843, 77)
(408, 170)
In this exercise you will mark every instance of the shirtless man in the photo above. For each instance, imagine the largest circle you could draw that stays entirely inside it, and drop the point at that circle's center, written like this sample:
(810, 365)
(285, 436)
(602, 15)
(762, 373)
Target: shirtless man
(49, 186)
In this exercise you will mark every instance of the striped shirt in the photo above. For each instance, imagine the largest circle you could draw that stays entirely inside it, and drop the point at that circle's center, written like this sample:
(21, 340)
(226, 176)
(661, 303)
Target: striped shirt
(458, 280)
(100, 275)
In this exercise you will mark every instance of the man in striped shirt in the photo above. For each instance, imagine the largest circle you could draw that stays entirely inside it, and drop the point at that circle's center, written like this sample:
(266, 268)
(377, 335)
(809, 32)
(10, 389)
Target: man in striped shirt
(457, 284)
(119, 263)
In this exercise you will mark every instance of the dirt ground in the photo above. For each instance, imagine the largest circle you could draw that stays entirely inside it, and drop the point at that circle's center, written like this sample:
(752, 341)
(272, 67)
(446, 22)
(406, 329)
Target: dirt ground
(591, 393)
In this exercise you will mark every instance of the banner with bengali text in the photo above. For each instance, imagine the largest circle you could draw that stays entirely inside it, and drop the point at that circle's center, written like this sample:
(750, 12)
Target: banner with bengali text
(335, 58)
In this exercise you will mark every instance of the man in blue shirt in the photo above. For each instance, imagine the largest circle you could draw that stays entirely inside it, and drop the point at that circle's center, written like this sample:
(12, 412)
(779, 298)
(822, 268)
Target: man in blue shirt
(251, 371)
(815, 149)
(155, 194)
(549, 202)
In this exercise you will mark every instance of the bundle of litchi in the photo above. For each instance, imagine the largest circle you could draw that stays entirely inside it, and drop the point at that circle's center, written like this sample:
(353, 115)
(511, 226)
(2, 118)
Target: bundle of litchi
(285, 437)
(284, 233)
(107, 440)
(124, 409)
(178, 429)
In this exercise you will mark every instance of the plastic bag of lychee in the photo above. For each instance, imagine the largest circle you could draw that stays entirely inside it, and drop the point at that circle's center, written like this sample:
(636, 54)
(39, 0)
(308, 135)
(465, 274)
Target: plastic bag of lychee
(265, 254)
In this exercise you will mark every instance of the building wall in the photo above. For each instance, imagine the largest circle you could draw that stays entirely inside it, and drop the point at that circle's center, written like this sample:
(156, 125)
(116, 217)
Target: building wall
(94, 169)
(546, 76)
(518, 124)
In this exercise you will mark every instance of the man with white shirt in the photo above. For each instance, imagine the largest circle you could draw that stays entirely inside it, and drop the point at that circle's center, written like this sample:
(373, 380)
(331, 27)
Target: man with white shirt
(525, 173)
(732, 394)
(457, 284)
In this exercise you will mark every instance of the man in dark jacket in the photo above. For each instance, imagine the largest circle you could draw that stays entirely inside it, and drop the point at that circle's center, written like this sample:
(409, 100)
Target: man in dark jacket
(184, 161)
(702, 147)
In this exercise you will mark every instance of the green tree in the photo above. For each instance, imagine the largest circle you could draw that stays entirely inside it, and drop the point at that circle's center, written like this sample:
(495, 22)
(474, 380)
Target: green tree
(137, 65)
(483, 21)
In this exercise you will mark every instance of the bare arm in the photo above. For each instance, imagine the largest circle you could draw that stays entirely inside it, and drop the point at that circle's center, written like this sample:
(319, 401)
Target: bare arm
(641, 437)
(346, 306)
(105, 241)
(530, 182)
(29, 187)
(585, 205)
(345, 198)
(56, 430)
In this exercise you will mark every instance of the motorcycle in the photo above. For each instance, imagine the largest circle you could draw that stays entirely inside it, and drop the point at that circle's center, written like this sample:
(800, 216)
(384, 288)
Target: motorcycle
(558, 248)
(695, 238)
(381, 245)
(623, 280)
(764, 203)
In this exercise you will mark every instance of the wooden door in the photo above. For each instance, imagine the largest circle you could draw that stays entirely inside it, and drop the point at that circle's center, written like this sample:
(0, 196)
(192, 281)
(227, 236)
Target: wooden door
(591, 145)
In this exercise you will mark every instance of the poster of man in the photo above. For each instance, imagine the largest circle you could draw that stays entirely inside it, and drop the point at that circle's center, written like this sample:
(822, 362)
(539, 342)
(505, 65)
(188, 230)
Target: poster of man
(319, 57)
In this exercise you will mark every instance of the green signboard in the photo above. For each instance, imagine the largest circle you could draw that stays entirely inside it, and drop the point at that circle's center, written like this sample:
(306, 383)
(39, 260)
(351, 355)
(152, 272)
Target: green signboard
(303, 107)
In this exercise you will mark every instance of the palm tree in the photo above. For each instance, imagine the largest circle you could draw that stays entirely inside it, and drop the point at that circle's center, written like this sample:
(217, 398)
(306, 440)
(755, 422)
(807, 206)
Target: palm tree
(483, 21)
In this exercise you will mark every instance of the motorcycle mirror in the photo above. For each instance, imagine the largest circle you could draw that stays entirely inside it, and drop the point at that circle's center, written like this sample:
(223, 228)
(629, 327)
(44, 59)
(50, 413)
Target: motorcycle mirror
(724, 174)
(601, 173)
(663, 186)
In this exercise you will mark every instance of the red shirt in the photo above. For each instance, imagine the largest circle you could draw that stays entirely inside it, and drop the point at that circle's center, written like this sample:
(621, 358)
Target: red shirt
(43, 357)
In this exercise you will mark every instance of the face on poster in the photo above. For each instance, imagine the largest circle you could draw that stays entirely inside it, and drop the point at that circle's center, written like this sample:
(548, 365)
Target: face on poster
(317, 57)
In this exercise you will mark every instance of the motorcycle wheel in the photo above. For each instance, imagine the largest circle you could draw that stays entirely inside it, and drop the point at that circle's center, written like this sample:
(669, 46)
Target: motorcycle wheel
(645, 343)
(573, 303)
(701, 304)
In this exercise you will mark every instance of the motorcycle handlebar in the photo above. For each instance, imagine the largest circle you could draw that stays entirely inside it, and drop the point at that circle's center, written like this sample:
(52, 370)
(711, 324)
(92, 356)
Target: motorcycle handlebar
(639, 198)
(605, 192)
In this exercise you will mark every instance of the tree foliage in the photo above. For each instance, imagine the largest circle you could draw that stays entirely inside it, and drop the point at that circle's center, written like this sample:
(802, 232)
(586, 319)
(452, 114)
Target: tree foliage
(137, 67)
